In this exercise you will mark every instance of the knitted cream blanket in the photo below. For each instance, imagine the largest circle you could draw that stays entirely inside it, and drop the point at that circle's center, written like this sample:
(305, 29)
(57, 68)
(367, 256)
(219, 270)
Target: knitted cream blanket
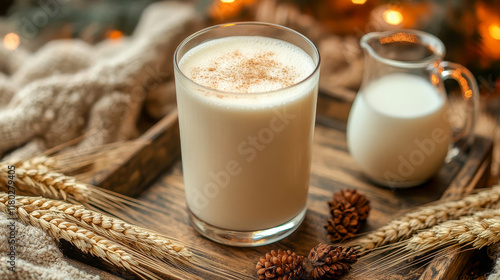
(36, 255)
(68, 88)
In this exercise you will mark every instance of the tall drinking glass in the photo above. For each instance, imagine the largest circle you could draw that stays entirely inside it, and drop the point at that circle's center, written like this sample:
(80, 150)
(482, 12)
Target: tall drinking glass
(246, 97)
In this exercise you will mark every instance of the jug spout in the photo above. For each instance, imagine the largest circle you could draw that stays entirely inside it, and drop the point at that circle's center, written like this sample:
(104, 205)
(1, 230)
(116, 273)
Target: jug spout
(403, 48)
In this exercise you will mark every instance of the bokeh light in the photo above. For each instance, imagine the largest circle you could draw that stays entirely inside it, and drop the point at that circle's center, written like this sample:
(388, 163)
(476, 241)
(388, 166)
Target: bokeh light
(11, 41)
(494, 31)
(358, 2)
(114, 35)
(393, 17)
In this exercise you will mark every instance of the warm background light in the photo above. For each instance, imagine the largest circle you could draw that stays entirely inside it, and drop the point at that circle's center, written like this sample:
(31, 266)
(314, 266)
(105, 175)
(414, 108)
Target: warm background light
(489, 31)
(494, 31)
(358, 2)
(11, 41)
(223, 11)
(114, 35)
(393, 17)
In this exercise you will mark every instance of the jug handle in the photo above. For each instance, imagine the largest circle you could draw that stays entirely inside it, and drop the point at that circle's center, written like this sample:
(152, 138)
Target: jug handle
(470, 93)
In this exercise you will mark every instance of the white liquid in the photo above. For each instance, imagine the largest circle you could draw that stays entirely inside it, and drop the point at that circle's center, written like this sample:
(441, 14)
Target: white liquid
(246, 156)
(397, 131)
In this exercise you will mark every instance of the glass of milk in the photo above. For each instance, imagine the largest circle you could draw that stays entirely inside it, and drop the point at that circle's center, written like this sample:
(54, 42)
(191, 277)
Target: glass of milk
(398, 130)
(246, 97)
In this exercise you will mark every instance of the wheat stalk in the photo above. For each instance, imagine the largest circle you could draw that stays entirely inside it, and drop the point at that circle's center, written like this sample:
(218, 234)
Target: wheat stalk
(142, 239)
(83, 163)
(46, 183)
(425, 217)
(45, 175)
(138, 250)
(478, 230)
(35, 177)
(39, 162)
(90, 242)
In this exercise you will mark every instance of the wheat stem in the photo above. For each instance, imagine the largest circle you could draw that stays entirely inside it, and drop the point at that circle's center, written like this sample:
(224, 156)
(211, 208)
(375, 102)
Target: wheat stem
(142, 239)
(35, 177)
(39, 162)
(478, 230)
(46, 183)
(425, 217)
(88, 241)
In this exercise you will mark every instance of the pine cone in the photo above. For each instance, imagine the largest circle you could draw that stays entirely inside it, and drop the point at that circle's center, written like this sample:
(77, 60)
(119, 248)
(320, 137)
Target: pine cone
(356, 199)
(331, 261)
(344, 222)
(281, 265)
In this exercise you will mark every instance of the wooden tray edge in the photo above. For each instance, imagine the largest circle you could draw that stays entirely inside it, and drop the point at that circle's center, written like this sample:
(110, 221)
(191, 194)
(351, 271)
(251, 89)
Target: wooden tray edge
(161, 148)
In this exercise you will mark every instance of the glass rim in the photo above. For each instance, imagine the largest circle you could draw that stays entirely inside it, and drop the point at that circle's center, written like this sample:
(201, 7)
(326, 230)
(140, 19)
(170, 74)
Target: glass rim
(242, 23)
(435, 44)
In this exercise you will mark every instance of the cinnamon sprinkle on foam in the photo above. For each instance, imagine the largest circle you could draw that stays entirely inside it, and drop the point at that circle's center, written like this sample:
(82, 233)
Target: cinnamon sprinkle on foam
(243, 72)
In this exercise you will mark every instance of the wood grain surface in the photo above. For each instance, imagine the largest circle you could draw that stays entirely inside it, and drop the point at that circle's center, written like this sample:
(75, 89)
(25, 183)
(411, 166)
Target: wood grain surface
(332, 169)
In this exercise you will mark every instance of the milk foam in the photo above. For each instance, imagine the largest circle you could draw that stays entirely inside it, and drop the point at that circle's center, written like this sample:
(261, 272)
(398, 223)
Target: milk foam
(403, 95)
(246, 64)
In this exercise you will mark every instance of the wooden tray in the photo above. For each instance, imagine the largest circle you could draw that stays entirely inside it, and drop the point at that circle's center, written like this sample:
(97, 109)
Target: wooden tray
(332, 170)
(136, 170)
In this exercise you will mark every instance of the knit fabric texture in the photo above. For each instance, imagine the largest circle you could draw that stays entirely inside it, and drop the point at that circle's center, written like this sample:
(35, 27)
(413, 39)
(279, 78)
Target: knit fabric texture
(69, 88)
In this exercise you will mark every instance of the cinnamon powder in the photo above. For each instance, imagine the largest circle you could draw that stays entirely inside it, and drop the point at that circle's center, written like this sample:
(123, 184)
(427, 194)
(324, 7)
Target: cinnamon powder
(244, 72)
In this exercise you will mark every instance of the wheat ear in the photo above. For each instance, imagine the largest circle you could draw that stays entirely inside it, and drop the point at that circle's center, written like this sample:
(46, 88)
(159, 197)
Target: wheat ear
(57, 186)
(46, 183)
(90, 242)
(39, 162)
(478, 230)
(35, 177)
(141, 239)
(425, 217)
(133, 243)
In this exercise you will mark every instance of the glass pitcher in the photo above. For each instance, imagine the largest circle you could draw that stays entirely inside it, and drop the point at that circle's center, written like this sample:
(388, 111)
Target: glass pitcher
(399, 128)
